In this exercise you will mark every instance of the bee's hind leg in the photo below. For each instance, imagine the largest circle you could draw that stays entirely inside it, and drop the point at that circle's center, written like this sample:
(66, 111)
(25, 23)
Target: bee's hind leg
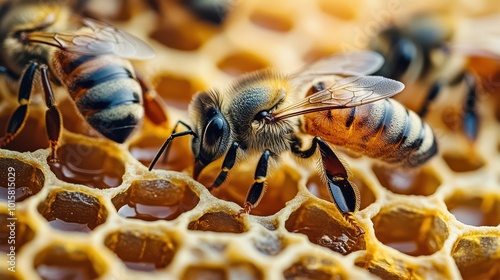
(344, 193)
(154, 107)
(53, 119)
(19, 116)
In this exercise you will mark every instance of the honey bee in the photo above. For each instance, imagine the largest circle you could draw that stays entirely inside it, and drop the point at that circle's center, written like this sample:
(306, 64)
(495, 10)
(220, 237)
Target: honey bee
(266, 114)
(432, 51)
(44, 42)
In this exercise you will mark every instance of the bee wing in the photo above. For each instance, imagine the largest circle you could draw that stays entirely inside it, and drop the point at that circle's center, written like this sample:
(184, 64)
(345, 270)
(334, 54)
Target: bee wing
(345, 93)
(478, 37)
(100, 39)
(348, 64)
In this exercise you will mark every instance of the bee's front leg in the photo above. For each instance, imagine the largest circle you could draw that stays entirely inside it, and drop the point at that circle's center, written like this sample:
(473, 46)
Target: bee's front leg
(166, 145)
(256, 192)
(227, 164)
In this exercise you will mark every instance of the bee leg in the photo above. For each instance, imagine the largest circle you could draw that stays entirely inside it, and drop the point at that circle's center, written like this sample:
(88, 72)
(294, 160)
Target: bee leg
(167, 151)
(166, 144)
(154, 107)
(470, 119)
(19, 116)
(344, 193)
(256, 192)
(53, 119)
(433, 92)
(228, 163)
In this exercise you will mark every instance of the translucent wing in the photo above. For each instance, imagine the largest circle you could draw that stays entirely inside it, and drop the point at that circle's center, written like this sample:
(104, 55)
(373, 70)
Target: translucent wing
(345, 93)
(98, 40)
(348, 64)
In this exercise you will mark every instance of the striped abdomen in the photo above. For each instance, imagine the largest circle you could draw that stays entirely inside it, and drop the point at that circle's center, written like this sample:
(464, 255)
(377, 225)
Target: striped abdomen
(104, 90)
(384, 130)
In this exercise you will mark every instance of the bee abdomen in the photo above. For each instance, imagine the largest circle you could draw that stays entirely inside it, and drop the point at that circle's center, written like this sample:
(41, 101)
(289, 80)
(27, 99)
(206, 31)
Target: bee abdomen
(105, 92)
(406, 138)
(384, 130)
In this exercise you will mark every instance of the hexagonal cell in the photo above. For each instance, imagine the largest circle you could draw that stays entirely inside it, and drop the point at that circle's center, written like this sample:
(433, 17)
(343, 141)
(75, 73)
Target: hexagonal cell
(235, 270)
(463, 163)
(69, 261)
(185, 36)
(19, 179)
(241, 62)
(73, 211)
(152, 200)
(177, 91)
(32, 136)
(15, 233)
(144, 250)
(410, 231)
(311, 267)
(272, 20)
(419, 181)
(218, 222)
(204, 272)
(341, 9)
(268, 243)
(392, 267)
(475, 210)
(325, 228)
(281, 187)
(478, 256)
(88, 165)
(317, 188)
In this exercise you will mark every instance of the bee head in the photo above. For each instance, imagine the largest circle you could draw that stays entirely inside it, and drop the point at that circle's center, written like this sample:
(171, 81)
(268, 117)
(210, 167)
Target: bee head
(212, 129)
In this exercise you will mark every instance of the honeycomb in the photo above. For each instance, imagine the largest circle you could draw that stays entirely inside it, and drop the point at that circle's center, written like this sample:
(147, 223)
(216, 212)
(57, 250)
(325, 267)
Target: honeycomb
(99, 213)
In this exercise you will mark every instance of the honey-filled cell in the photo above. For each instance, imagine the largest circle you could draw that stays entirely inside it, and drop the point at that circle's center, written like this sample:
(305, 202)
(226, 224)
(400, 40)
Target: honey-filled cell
(478, 256)
(412, 231)
(73, 211)
(152, 200)
(19, 180)
(142, 249)
(324, 228)
(420, 181)
(88, 165)
(241, 62)
(65, 261)
(15, 232)
(218, 222)
(480, 210)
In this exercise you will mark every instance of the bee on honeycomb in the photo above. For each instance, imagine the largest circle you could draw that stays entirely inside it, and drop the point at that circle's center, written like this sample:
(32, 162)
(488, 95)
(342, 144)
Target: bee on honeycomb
(100, 214)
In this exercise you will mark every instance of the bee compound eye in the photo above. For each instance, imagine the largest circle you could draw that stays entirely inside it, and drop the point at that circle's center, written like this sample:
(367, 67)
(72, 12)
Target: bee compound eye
(214, 131)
